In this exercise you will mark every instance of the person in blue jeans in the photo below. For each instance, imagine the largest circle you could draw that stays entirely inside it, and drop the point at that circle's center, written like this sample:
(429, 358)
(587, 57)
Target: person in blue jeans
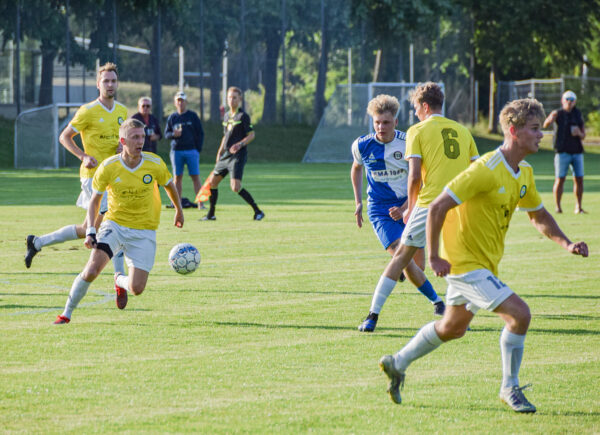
(568, 134)
(187, 137)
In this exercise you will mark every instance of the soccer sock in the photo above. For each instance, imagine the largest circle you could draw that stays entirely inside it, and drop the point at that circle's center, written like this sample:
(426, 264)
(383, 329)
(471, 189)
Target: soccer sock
(248, 198)
(425, 341)
(511, 348)
(214, 195)
(119, 262)
(123, 282)
(62, 235)
(382, 291)
(429, 292)
(78, 291)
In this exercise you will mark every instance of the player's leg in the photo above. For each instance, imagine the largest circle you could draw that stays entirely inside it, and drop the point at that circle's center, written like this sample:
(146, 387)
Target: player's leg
(237, 172)
(217, 176)
(177, 165)
(140, 247)
(577, 162)
(417, 277)
(561, 165)
(135, 282)
(96, 263)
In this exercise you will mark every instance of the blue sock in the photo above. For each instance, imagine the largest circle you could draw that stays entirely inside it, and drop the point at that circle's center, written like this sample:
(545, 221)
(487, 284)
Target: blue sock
(429, 292)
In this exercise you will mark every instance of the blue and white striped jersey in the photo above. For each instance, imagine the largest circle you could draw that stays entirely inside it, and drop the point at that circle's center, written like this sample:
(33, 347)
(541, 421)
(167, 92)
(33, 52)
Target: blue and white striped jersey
(387, 171)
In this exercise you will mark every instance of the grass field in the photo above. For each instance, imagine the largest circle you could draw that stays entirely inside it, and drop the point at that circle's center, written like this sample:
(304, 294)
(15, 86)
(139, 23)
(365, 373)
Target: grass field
(262, 338)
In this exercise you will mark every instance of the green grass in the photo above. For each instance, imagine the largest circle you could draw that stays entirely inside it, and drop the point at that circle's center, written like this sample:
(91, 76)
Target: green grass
(262, 338)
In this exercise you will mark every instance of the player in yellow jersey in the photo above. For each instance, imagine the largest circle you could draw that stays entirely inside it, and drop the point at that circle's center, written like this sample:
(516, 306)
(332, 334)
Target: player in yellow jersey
(437, 149)
(98, 124)
(131, 179)
(473, 213)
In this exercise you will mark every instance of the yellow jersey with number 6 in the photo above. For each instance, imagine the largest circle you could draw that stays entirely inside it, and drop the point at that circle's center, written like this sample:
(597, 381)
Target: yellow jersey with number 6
(488, 193)
(99, 130)
(445, 148)
(133, 196)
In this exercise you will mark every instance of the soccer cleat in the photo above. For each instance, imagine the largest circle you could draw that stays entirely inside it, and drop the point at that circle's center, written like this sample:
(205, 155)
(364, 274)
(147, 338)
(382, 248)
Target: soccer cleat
(61, 320)
(121, 294)
(31, 251)
(515, 398)
(209, 218)
(386, 363)
(439, 308)
(259, 215)
(369, 323)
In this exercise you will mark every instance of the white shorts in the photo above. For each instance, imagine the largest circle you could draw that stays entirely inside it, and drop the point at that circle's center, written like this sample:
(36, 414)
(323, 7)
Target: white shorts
(414, 232)
(86, 195)
(478, 289)
(139, 246)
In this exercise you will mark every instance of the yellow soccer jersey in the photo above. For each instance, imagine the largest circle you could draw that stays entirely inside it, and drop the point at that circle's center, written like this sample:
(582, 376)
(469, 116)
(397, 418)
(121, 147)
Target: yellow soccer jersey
(99, 130)
(445, 148)
(133, 196)
(488, 193)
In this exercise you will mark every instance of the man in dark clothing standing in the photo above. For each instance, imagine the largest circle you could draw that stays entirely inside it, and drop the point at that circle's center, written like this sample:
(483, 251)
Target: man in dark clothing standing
(568, 134)
(232, 154)
(187, 136)
(151, 125)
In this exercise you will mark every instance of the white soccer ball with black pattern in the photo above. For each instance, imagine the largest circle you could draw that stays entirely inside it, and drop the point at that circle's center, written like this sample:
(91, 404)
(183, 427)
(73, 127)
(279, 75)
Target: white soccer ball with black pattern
(184, 258)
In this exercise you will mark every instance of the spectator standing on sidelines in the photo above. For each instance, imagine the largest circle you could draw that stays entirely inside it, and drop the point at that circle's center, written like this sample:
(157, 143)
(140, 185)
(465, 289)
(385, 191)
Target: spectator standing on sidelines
(232, 155)
(187, 137)
(151, 124)
(568, 134)
(132, 179)
(382, 155)
(98, 125)
(437, 149)
(473, 214)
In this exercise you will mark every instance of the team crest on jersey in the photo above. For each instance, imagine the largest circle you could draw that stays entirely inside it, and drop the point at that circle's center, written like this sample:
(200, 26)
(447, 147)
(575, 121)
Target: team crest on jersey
(120, 120)
(147, 179)
(523, 191)
(398, 155)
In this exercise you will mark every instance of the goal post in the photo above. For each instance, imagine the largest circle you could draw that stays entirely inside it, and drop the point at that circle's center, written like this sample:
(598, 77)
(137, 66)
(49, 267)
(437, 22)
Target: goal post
(37, 130)
(345, 118)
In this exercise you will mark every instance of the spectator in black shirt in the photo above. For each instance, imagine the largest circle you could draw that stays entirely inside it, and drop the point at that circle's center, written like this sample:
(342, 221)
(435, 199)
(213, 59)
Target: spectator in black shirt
(151, 125)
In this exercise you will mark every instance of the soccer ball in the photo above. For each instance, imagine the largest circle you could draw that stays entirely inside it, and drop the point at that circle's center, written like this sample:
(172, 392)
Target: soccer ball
(184, 258)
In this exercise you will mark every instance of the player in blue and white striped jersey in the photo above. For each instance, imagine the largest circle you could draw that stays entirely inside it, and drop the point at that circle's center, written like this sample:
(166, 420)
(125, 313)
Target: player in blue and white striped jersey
(382, 155)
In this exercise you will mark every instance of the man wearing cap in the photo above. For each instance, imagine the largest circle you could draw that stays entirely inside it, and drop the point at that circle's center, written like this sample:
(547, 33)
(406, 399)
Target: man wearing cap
(152, 126)
(568, 134)
(187, 136)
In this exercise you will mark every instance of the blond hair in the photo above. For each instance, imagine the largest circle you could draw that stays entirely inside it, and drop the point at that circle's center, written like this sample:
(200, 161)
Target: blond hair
(236, 89)
(129, 124)
(383, 103)
(430, 93)
(108, 66)
(518, 112)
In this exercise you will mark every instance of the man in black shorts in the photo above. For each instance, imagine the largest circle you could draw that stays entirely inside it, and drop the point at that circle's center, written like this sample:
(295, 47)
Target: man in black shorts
(232, 154)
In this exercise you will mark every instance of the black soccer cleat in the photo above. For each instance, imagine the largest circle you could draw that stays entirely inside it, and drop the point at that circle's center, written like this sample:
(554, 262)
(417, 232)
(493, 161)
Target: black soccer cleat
(31, 251)
(439, 308)
(259, 215)
(209, 217)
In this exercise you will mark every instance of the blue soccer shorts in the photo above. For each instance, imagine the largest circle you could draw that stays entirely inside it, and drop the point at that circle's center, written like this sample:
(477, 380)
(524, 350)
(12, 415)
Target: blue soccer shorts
(386, 229)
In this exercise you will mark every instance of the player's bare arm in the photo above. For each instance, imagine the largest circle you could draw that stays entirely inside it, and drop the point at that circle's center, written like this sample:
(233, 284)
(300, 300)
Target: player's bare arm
(550, 119)
(414, 185)
(174, 197)
(221, 149)
(435, 219)
(546, 225)
(66, 140)
(356, 176)
(92, 212)
(244, 142)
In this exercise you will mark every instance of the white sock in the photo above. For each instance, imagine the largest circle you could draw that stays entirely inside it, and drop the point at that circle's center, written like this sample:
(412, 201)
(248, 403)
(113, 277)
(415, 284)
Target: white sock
(78, 291)
(59, 236)
(511, 348)
(119, 263)
(425, 341)
(382, 291)
(123, 282)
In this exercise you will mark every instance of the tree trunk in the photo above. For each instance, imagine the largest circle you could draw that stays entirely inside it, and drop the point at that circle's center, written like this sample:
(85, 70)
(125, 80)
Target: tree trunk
(216, 64)
(319, 105)
(273, 42)
(492, 124)
(156, 67)
(48, 56)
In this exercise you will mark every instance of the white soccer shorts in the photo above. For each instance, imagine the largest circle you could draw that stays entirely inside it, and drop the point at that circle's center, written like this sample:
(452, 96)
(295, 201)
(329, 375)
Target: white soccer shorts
(414, 232)
(139, 246)
(477, 289)
(85, 196)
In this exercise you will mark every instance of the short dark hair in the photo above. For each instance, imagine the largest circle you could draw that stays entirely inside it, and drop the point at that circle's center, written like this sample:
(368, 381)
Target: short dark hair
(430, 93)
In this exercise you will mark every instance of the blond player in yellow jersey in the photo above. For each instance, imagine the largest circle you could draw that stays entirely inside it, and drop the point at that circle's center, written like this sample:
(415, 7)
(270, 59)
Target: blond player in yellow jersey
(437, 149)
(98, 125)
(131, 179)
(473, 213)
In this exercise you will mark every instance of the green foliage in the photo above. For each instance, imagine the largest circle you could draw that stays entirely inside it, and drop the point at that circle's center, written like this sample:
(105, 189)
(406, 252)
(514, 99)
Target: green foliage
(592, 125)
